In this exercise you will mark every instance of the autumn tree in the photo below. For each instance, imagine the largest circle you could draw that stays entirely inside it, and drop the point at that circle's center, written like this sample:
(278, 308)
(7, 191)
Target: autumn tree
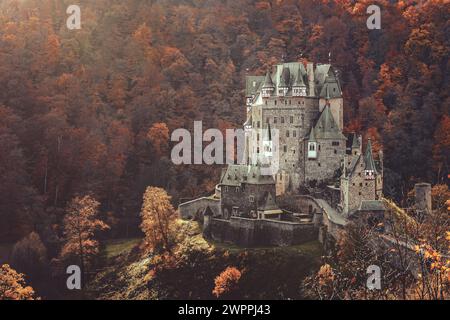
(158, 217)
(13, 286)
(80, 226)
(226, 283)
(158, 135)
(29, 256)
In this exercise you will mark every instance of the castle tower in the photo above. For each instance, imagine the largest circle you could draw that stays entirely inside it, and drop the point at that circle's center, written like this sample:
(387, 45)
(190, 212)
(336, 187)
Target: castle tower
(299, 87)
(423, 198)
(268, 87)
(370, 169)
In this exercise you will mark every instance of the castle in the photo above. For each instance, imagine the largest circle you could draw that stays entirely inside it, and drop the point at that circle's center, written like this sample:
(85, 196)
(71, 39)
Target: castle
(295, 116)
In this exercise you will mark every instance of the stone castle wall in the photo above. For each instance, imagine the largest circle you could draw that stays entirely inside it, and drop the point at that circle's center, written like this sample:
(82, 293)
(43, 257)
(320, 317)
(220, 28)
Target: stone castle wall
(194, 209)
(328, 160)
(251, 232)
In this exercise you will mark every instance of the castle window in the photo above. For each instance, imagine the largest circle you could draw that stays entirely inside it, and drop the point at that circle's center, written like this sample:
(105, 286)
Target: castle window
(285, 148)
(335, 151)
(226, 188)
(353, 184)
(266, 102)
(274, 119)
(287, 133)
(291, 120)
(267, 120)
(237, 189)
(359, 193)
(319, 147)
(257, 150)
(282, 119)
(257, 136)
(275, 102)
(294, 133)
(251, 199)
(318, 164)
(312, 147)
(360, 184)
(259, 124)
(289, 101)
(335, 143)
(366, 184)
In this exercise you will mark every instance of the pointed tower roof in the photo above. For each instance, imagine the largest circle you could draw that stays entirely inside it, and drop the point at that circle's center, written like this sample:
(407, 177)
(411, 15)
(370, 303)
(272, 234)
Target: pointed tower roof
(312, 135)
(299, 82)
(355, 141)
(268, 83)
(285, 77)
(326, 127)
(368, 158)
(268, 203)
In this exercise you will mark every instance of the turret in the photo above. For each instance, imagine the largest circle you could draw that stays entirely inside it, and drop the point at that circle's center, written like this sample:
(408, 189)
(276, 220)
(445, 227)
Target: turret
(268, 87)
(370, 169)
(299, 87)
(283, 85)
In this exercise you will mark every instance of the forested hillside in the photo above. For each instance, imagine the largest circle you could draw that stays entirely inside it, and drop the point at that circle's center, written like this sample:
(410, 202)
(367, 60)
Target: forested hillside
(89, 112)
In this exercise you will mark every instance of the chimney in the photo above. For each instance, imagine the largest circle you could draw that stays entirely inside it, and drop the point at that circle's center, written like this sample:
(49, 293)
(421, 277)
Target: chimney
(310, 72)
(423, 198)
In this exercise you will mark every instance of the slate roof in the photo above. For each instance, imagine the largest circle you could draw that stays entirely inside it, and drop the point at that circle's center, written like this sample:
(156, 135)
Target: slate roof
(371, 205)
(330, 88)
(294, 74)
(312, 135)
(237, 174)
(253, 84)
(368, 158)
(268, 83)
(299, 81)
(353, 164)
(326, 127)
(268, 203)
(355, 141)
(285, 78)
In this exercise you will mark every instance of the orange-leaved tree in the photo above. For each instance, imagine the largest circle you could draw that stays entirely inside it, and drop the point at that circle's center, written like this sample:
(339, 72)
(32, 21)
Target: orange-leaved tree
(158, 217)
(80, 226)
(226, 283)
(13, 286)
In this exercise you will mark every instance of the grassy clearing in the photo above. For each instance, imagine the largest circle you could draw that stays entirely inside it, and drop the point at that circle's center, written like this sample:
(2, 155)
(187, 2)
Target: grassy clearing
(312, 248)
(116, 247)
